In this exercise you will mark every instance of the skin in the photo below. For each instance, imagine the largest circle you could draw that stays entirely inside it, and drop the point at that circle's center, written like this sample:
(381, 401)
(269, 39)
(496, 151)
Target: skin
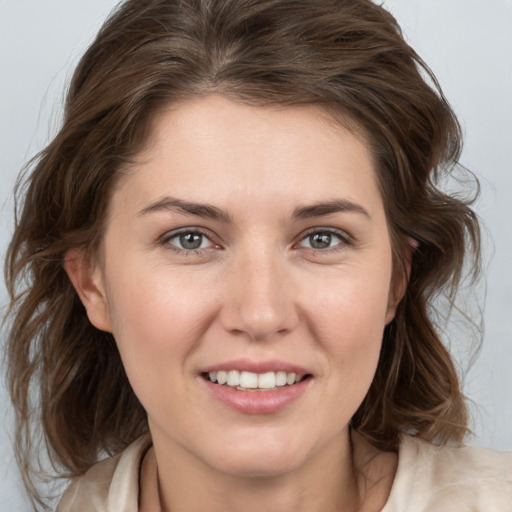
(258, 289)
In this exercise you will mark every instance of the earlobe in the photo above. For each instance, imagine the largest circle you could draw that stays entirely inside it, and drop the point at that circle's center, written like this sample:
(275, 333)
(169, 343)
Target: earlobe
(412, 245)
(392, 305)
(88, 283)
(396, 294)
(399, 288)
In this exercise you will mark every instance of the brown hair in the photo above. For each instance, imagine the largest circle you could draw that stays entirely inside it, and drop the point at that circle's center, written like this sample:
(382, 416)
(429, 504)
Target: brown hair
(349, 57)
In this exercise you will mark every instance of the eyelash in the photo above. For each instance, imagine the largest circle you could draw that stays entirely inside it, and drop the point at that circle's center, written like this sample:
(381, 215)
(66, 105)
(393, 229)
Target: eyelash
(165, 240)
(344, 240)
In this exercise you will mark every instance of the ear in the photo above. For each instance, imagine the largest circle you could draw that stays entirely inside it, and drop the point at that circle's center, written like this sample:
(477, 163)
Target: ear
(400, 281)
(88, 283)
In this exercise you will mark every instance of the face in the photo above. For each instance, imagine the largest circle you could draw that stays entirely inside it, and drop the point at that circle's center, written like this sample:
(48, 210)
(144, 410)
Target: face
(249, 241)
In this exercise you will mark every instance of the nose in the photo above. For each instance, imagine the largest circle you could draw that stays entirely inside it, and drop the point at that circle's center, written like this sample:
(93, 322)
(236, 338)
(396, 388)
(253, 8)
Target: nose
(260, 302)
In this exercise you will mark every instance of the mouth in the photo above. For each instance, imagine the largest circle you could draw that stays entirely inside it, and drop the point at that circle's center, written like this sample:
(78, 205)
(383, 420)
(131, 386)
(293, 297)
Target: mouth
(242, 380)
(253, 387)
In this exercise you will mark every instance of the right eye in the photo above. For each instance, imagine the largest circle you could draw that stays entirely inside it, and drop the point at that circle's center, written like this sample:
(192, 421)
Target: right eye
(188, 240)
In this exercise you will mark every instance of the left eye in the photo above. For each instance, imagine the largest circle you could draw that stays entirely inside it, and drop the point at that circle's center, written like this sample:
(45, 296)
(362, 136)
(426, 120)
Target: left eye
(321, 240)
(189, 240)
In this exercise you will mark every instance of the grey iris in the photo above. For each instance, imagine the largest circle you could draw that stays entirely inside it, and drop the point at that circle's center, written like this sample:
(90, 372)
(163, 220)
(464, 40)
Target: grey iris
(191, 240)
(320, 240)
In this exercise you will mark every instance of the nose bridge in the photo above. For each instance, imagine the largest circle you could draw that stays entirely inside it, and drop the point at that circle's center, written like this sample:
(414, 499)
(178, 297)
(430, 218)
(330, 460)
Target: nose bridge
(260, 302)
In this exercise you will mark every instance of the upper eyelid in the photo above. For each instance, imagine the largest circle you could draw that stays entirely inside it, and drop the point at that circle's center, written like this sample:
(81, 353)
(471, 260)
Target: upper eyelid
(188, 229)
(324, 229)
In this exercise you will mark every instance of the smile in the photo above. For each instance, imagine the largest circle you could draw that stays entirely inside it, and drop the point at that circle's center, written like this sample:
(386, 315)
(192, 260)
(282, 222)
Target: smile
(251, 381)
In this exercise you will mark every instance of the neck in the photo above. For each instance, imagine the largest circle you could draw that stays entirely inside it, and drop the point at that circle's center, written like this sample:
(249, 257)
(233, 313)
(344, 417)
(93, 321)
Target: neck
(327, 482)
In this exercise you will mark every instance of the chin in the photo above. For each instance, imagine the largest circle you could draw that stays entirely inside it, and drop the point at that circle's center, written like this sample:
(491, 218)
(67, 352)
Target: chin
(259, 466)
(260, 458)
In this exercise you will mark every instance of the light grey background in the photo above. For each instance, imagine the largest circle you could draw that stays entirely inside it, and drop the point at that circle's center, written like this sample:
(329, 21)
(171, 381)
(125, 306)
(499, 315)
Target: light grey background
(468, 45)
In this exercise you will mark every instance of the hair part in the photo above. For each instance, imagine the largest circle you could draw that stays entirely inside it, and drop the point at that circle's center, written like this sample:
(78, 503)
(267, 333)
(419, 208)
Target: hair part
(346, 56)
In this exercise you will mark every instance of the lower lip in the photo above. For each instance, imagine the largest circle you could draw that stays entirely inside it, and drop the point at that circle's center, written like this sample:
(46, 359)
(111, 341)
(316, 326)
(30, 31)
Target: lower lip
(257, 402)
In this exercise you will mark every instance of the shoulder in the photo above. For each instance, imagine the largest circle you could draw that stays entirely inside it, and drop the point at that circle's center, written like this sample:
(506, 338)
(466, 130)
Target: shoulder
(447, 478)
(110, 485)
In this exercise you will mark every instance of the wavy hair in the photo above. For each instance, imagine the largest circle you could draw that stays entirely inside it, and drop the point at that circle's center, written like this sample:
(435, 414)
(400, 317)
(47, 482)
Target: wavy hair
(346, 56)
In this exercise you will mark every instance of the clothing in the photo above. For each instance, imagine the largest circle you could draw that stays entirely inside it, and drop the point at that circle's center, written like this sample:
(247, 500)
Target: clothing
(428, 479)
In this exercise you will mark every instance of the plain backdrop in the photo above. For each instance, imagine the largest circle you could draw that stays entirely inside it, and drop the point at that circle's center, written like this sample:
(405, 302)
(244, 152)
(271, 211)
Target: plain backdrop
(467, 43)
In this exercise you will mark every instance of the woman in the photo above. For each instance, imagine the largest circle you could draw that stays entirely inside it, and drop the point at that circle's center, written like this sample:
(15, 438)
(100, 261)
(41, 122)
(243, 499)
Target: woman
(232, 247)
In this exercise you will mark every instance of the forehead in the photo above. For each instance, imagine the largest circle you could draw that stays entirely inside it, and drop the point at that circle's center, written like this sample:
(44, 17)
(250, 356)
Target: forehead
(215, 149)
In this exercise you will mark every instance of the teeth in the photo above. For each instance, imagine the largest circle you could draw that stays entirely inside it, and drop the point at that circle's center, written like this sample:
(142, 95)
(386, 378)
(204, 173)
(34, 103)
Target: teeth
(248, 380)
(252, 381)
(281, 379)
(234, 378)
(267, 380)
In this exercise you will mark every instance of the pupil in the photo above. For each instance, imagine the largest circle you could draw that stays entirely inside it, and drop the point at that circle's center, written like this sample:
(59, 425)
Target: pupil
(191, 241)
(320, 240)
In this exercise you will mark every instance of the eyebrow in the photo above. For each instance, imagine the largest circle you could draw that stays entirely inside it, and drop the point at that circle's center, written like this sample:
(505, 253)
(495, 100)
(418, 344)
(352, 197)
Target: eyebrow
(213, 212)
(328, 208)
(188, 208)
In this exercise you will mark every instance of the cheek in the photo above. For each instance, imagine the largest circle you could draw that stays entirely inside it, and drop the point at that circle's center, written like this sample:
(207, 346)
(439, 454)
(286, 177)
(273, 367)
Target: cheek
(352, 303)
(348, 318)
(157, 322)
(156, 301)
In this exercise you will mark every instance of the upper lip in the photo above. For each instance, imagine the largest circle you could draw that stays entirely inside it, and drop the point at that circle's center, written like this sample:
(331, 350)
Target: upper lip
(255, 366)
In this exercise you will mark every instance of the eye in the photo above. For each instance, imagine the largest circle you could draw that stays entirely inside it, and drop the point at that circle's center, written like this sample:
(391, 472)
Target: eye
(324, 239)
(188, 240)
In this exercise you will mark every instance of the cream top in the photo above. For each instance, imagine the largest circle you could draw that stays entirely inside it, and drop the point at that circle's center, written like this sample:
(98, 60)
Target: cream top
(428, 479)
